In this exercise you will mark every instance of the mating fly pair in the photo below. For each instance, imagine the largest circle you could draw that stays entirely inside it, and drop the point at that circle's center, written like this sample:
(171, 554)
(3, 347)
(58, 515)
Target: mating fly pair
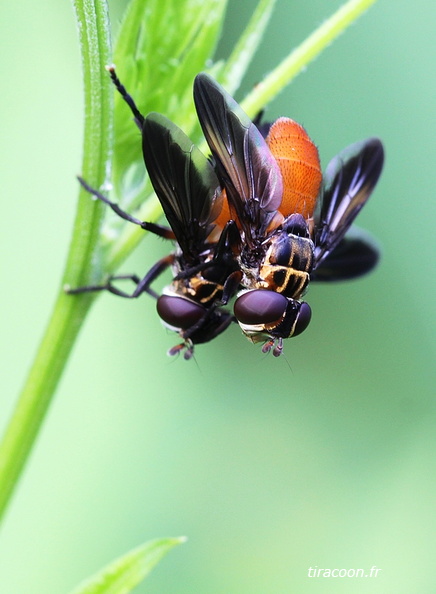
(258, 220)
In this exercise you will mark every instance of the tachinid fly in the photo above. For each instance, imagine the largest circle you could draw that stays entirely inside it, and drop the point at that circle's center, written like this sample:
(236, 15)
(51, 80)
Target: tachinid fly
(289, 221)
(202, 265)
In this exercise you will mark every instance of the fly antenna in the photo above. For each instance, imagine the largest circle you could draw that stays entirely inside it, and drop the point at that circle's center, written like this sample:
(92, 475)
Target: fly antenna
(139, 118)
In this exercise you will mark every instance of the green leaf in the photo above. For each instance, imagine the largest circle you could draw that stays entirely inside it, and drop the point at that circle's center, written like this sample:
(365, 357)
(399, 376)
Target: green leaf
(125, 573)
(161, 46)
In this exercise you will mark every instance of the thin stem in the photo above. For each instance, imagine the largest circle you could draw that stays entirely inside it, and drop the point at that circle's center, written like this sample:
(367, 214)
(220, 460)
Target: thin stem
(68, 314)
(240, 58)
(300, 57)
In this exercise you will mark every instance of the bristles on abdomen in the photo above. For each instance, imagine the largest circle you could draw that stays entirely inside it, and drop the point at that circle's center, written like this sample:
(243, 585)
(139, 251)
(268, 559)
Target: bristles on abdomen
(298, 159)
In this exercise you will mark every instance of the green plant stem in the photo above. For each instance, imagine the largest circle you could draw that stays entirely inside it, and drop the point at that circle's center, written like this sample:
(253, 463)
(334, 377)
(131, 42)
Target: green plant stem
(68, 314)
(301, 56)
(240, 58)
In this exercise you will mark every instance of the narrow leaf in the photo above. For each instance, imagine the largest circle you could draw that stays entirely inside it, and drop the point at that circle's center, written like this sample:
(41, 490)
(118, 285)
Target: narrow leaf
(125, 573)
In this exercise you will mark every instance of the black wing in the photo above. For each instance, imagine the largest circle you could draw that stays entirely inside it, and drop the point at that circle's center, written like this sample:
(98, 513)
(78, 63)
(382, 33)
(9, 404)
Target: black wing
(183, 180)
(355, 255)
(348, 182)
(244, 163)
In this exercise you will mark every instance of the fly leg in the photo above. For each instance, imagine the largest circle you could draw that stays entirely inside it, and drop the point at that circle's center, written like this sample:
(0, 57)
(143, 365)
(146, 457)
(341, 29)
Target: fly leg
(142, 285)
(209, 326)
(159, 230)
(231, 286)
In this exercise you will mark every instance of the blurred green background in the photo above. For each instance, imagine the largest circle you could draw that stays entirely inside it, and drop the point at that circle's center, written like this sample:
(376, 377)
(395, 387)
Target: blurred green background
(325, 457)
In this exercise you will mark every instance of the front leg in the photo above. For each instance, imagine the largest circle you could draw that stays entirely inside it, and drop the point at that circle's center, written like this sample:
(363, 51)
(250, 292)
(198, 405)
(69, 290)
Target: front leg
(107, 286)
(142, 285)
(209, 326)
(159, 230)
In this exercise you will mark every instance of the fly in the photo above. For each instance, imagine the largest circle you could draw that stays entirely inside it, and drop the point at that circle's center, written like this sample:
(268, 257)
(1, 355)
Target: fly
(289, 221)
(202, 265)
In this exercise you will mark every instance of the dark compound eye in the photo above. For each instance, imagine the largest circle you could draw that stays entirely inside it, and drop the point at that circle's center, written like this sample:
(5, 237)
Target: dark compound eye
(260, 307)
(179, 312)
(302, 319)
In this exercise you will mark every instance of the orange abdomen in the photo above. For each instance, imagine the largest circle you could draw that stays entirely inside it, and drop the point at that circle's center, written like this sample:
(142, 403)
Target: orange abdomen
(299, 164)
(225, 214)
